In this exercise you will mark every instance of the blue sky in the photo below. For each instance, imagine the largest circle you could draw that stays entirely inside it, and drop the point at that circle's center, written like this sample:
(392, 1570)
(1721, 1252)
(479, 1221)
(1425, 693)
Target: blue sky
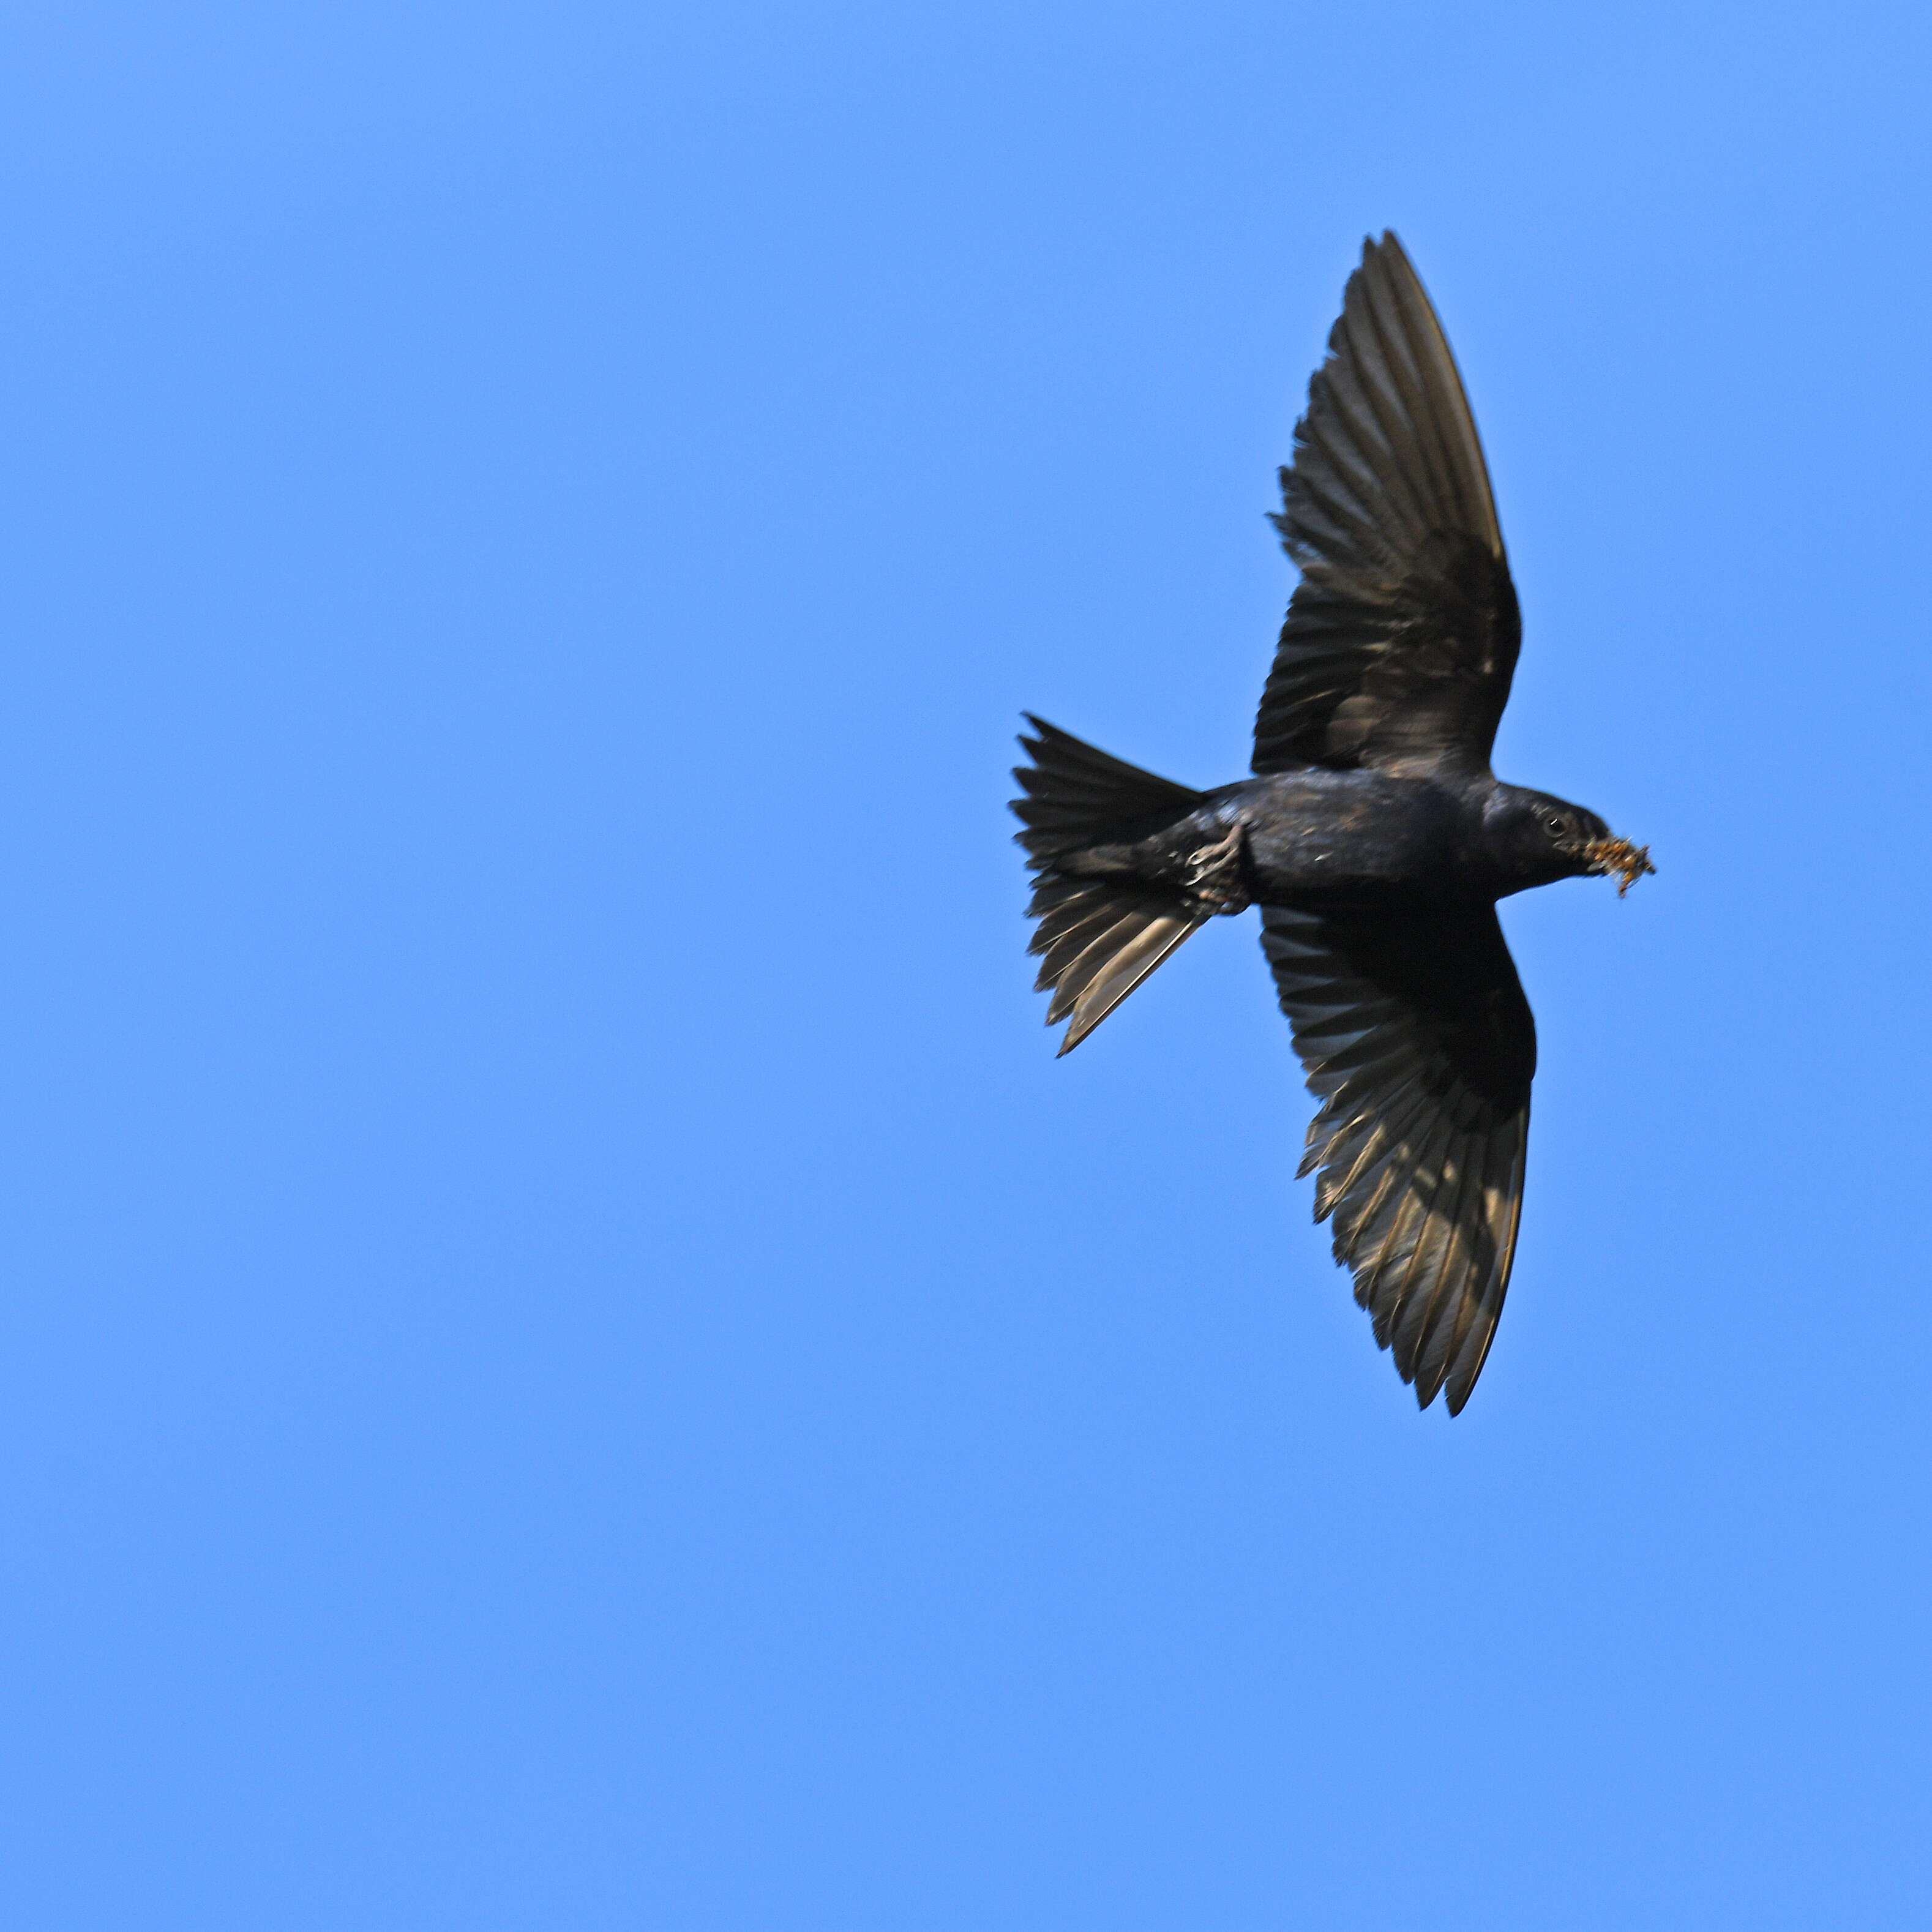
(569, 1357)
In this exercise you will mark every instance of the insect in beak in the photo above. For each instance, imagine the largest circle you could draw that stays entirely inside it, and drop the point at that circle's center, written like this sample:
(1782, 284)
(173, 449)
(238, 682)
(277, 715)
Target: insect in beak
(1612, 857)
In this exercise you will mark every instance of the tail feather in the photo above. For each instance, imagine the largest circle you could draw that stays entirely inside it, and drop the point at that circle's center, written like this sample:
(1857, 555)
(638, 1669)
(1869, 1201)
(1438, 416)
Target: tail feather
(1077, 795)
(1101, 937)
(1093, 915)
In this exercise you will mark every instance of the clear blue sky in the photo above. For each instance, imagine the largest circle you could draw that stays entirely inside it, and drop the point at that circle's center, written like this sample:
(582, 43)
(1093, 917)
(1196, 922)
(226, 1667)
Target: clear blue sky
(568, 1357)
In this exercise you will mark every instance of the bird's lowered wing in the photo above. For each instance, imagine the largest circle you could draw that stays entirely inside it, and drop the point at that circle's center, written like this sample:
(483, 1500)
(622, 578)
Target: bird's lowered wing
(1403, 634)
(1416, 1039)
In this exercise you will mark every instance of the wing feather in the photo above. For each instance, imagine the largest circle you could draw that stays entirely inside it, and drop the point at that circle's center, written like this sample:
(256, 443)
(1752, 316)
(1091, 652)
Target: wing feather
(1414, 1033)
(1402, 636)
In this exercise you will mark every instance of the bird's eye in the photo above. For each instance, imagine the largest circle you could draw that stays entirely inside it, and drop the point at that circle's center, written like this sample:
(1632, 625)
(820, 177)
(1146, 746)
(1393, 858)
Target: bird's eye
(1555, 825)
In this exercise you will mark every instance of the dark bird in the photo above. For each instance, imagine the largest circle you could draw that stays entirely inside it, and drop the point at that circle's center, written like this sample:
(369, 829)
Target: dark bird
(1373, 836)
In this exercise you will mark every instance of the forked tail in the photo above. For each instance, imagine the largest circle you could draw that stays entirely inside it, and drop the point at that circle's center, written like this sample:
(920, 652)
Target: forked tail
(1101, 936)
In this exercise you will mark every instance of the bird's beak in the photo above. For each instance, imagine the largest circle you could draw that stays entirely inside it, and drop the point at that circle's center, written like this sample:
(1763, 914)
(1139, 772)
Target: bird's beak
(1618, 858)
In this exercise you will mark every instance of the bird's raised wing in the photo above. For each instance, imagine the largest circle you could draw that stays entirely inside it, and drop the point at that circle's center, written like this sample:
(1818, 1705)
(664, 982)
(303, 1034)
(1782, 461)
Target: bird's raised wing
(1403, 634)
(1416, 1039)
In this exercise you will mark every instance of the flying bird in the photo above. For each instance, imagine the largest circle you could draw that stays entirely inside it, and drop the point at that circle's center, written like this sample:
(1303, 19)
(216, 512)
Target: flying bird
(1373, 836)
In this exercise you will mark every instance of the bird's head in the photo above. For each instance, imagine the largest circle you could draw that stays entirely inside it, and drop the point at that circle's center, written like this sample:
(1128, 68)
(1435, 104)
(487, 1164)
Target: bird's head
(1540, 839)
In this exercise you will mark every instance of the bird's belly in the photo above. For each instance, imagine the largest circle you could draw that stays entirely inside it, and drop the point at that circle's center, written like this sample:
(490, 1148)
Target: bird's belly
(1288, 863)
(1316, 835)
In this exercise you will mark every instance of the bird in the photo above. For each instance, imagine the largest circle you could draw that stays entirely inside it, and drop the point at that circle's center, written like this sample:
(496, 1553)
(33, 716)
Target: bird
(1372, 835)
